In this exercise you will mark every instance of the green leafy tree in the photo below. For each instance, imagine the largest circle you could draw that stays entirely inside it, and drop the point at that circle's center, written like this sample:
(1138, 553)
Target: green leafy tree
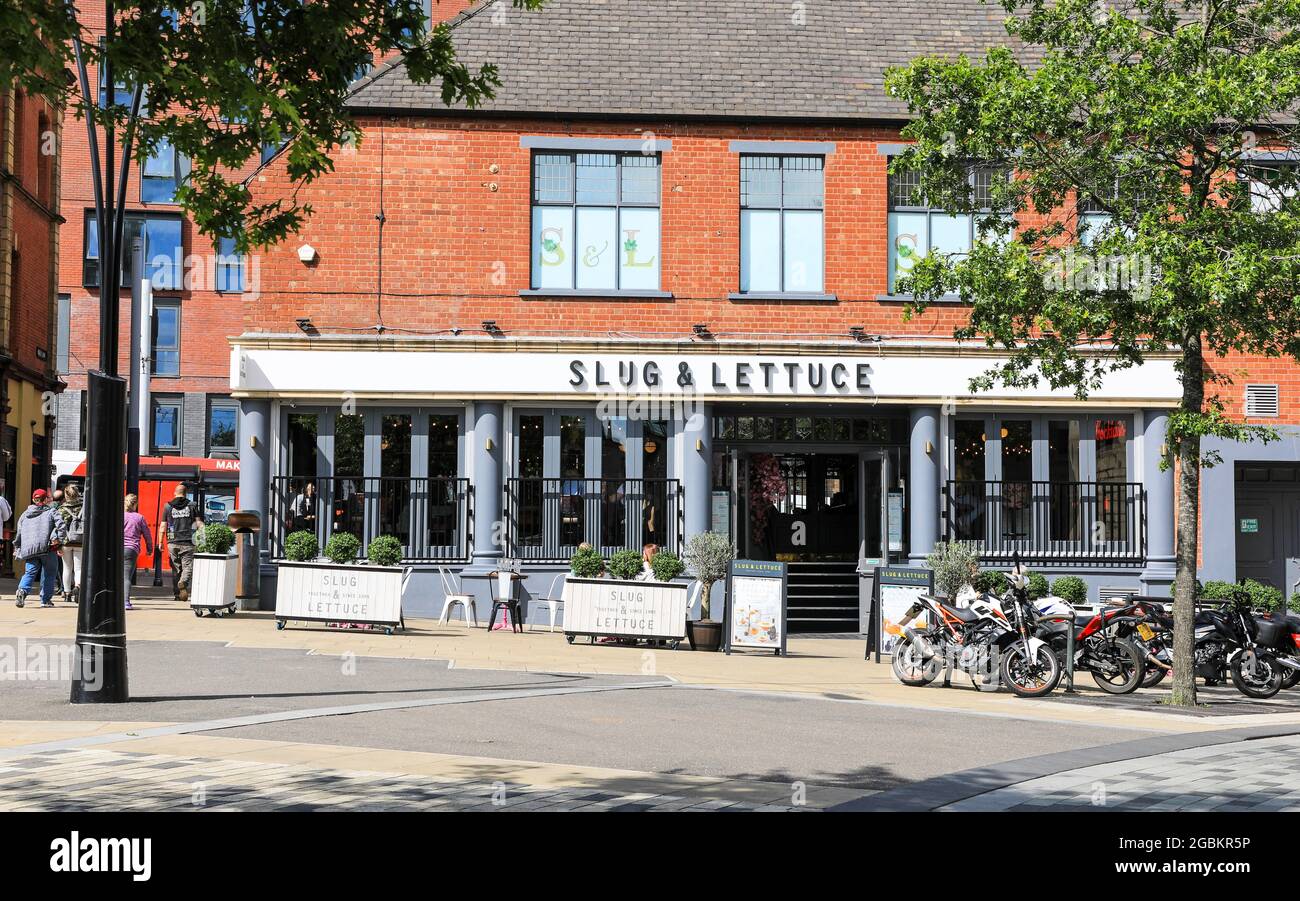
(221, 79)
(1149, 112)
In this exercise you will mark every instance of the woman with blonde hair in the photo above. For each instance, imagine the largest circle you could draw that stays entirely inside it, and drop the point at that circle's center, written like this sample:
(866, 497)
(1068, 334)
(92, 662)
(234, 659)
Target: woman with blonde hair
(135, 531)
(70, 516)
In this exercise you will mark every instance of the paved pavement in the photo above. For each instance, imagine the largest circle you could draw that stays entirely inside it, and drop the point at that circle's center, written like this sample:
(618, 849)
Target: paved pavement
(236, 714)
(99, 780)
(1260, 775)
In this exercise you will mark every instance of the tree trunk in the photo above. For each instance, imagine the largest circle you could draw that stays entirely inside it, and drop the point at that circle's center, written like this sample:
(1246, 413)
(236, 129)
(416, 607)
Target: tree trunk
(1189, 506)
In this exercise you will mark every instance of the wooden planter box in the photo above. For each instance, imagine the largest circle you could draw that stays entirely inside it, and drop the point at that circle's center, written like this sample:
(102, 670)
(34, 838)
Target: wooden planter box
(340, 592)
(618, 609)
(212, 587)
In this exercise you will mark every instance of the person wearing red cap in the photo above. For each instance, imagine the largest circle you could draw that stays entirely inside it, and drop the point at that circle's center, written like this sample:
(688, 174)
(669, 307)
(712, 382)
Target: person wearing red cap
(37, 536)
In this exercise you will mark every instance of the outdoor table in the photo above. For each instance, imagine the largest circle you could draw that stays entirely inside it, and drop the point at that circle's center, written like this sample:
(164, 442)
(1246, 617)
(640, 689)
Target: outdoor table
(510, 604)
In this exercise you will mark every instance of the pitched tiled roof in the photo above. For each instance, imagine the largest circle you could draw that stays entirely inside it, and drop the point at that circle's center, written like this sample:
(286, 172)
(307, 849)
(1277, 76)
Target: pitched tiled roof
(719, 58)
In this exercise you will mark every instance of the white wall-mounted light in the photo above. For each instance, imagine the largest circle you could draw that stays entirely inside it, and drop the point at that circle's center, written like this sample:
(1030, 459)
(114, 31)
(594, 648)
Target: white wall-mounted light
(307, 253)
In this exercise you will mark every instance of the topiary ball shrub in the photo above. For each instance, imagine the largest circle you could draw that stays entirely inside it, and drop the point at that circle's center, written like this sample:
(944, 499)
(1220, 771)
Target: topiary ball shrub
(666, 566)
(625, 565)
(301, 546)
(1071, 589)
(587, 563)
(1215, 590)
(343, 547)
(991, 581)
(217, 539)
(1038, 587)
(385, 550)
(1264, 597)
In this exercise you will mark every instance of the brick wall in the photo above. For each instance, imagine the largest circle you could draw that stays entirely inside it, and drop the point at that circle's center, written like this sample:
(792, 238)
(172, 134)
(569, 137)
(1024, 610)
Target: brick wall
(456, 251)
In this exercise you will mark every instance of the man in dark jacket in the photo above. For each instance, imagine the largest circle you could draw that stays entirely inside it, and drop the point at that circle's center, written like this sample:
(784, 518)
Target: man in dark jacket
(181, 519)
(37, 535)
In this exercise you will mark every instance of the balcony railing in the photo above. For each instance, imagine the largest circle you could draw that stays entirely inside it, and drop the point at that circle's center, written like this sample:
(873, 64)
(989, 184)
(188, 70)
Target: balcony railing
(546, 519)
(1049, 522)
(432, 517)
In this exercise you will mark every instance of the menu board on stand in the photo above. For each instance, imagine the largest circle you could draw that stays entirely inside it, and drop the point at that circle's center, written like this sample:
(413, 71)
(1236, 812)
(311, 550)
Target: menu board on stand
(896, 588)
(756, 606)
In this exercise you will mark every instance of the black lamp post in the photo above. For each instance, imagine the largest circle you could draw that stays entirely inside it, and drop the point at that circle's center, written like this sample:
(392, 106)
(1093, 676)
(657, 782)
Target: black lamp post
(100, 674)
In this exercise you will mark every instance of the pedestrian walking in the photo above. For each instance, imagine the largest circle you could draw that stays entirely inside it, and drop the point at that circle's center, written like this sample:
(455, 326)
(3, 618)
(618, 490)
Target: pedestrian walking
(135, 531)
(36, 542)
(73, 523)
(182, 517)
(56, 501)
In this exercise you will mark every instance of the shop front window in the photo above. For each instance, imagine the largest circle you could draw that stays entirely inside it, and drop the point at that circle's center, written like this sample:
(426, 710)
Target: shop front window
(1113, 501)
(581, 478)
(364, 473)
(966, 504)
(1064, 474)
(1017, 480)
(394, 477)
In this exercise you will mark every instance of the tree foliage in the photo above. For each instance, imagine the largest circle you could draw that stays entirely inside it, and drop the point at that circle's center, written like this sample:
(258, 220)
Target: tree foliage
(224, 78)
(1174, 123)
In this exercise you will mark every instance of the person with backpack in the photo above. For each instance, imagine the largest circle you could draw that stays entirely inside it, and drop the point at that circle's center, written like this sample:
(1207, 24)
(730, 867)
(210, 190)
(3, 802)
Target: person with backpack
(37, 535)
(73, 522)
(181, 519)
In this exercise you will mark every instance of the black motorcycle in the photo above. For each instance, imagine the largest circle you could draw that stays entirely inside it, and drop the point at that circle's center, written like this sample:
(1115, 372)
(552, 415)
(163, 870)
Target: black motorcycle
(1229, 640)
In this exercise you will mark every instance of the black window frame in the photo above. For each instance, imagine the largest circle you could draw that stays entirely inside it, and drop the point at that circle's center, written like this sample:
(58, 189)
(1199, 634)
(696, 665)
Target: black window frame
(156, 402)
(781, 210)
(179, 166)
(160, 305)
(225, 264)
(617, 206)
(892, 206)
(222, 403)
(91, 265)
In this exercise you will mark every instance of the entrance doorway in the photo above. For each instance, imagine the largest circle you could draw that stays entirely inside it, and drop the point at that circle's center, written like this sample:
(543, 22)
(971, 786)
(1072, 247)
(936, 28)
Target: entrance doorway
(825, 514)
(1267, 522)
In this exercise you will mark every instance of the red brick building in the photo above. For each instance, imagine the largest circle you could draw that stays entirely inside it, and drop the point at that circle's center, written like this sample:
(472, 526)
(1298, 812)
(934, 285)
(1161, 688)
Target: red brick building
(687, 204)
(29, 254)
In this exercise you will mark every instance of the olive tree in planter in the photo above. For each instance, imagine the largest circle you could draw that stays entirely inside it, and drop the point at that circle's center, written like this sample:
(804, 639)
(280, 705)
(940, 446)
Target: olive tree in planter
(213, 582)
(709, 556)
(338, 588)
(955, 564)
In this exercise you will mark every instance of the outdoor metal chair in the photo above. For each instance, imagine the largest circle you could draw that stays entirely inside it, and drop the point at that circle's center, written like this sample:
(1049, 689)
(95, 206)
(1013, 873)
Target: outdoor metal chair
(552, 599)
(455, 595)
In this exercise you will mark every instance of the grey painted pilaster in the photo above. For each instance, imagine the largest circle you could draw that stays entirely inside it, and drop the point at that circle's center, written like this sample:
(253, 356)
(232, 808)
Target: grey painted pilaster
(255, 460)
(697, 471)
(489, 485)
(1158, 575)
(923, 482)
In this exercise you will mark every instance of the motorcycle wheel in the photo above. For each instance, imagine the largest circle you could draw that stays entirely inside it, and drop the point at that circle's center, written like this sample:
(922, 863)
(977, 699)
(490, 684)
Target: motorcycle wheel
(1290, 678)
(1030, 678)
(1128, 662)
(910, 667)
(1265, 684)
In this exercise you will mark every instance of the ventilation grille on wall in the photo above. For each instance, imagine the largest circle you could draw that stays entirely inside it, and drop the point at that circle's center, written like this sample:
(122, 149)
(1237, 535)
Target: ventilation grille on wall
(1115, 594)
(1261, 400)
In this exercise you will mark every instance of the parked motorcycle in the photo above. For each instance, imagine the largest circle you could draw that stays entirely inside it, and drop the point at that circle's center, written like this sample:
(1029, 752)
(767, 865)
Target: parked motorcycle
(985, 638)
(1101, 643)
(1228, 640)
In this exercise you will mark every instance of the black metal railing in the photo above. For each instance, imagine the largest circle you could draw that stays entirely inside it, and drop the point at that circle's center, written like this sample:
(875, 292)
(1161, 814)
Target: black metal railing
(546, 519)
(1049, 522)
(432, 517)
